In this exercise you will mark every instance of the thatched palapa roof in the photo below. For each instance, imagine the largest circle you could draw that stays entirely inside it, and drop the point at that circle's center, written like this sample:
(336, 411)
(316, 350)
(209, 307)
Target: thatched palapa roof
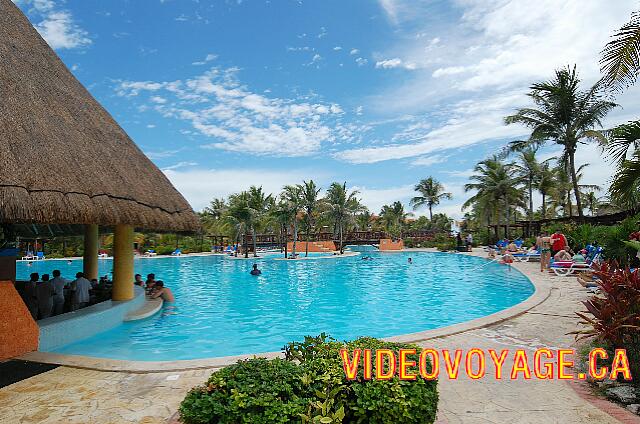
(63, 158)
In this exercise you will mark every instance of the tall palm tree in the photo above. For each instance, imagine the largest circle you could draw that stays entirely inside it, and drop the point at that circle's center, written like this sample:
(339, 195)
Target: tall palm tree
(309, 204)
(563, 114)
(431, 193)
(283, 215)
(340, 206)
(545, 184)
(529, 169)
(258, 202)
(496, 182)
(292, 196)
(625, 188)
(240, 216)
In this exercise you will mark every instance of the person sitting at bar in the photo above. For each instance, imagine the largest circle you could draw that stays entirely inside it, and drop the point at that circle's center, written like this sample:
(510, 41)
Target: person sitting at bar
(59, 284)
(29, 294)
(138, 280)
(44, 295)
(161, 291)
(80, 288)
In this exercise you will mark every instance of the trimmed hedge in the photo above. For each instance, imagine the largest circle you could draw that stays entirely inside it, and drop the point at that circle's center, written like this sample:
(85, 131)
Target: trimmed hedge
(309, 386)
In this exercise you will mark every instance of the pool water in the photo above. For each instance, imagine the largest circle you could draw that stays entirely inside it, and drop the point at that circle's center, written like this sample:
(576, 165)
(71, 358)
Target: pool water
(222, 310)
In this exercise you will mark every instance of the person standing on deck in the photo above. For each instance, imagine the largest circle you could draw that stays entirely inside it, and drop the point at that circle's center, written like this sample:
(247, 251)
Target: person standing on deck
(558, 242)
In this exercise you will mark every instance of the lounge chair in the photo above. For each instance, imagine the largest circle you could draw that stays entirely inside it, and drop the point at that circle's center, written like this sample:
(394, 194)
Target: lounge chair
(150, 253)
(28, 256)
(527, 256)
(176, 252)
(565, 268)
(40, 256)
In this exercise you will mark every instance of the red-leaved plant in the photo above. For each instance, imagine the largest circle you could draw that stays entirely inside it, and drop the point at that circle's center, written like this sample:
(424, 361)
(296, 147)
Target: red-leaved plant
(614, 313)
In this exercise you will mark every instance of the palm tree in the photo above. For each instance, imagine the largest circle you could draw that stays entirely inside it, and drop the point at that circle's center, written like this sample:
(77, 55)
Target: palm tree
(283, 215)
(239, 215)
(309, 204)
(394, 217)
(292, 196)
(564, 114)
(363, 220)
(622, 143)
(431, 192)
(625, 188)
(529, 170)
(495, 183)
(258, 202)
(545, 184)
(620, 62)
(340, 206)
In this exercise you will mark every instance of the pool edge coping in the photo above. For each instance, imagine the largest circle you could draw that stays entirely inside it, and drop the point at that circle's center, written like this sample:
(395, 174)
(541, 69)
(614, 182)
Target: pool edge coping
(542, 291)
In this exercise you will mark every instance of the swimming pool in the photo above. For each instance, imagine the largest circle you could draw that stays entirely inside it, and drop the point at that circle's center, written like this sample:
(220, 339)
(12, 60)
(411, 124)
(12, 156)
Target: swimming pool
(221, 310)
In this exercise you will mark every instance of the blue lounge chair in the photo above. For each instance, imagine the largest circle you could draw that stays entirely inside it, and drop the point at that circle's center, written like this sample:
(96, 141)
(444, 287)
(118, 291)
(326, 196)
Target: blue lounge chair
(40, 256)
(176, 252)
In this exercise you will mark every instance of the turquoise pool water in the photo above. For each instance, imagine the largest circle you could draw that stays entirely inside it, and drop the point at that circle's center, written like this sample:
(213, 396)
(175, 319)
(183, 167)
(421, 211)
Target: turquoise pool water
(222, 310)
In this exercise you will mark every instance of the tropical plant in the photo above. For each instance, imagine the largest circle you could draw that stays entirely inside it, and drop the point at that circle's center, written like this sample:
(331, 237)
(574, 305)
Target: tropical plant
(613, 316)
(394, 217)
(283, 215)
(620, 58)
(431, 192)
(625, 187)
(363, 220)
(292, 197)
(258, 202)
(496, 183)
(310, 201)
(341, 206)
(562, 114)
(545, 184)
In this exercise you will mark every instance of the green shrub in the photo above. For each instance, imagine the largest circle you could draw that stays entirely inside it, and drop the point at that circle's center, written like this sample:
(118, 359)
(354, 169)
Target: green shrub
(310, 386)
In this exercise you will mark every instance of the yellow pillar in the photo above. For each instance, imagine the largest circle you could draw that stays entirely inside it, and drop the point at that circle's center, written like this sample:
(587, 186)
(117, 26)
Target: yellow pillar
(123, 263)
(90, 259)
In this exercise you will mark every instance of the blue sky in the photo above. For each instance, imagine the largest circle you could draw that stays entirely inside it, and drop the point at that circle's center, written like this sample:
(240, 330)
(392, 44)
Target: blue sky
(225, 94)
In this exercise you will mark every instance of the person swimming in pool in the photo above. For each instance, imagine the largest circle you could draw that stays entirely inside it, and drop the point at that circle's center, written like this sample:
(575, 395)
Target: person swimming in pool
(255, 270)
(410, 261)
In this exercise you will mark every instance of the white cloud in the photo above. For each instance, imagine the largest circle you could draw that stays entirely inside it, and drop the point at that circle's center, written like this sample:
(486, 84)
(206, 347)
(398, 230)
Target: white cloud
(429, 160)
(354, 52)
(337, 48)
(235, 119)
(361, 61)
(208, 58)
(395, 63)
(56, 26)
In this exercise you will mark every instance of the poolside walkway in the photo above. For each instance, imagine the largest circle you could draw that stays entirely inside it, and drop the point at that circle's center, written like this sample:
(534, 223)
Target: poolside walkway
(71, 395)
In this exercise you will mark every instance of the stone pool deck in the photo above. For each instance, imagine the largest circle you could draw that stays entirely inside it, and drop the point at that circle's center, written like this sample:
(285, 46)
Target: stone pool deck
(73, 395)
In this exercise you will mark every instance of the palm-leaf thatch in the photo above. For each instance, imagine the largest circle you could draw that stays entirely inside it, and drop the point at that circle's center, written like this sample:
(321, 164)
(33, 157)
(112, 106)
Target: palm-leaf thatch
(63, 158)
